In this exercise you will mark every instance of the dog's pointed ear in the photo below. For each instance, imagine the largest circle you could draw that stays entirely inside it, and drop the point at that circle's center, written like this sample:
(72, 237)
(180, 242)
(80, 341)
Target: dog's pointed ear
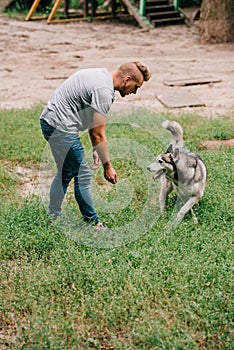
(175, 154)
(170, 149)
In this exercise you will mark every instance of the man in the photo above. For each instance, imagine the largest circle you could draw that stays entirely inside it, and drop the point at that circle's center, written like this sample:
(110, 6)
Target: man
(82, 102)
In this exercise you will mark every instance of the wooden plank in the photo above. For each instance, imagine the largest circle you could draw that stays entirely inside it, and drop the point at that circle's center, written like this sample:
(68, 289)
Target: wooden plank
(67, 20)
(82, 19)
(134, 13)
(178, 99)
(191, 81)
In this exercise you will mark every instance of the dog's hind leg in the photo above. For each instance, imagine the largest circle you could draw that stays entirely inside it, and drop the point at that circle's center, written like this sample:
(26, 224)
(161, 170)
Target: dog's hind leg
(186, 208)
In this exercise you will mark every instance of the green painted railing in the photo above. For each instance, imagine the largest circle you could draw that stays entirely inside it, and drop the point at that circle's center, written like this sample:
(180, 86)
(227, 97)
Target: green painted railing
(176, 4)
(143, 5)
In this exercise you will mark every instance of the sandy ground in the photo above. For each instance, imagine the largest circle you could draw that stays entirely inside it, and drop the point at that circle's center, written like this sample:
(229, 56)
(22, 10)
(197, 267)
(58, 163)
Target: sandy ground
(37, 57)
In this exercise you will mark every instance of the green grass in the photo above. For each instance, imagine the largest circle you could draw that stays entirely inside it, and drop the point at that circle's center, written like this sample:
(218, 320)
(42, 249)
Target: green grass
(21, 139)
(163, 289)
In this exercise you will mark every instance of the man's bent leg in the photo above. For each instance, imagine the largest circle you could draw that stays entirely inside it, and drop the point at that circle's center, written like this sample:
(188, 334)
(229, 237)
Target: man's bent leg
(76, 162)
(58, 190)
(83, 194)
(69, 156)
(59, 145)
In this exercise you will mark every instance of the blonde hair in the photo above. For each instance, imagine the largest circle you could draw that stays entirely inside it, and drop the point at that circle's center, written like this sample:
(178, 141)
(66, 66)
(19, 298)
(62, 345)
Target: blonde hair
(133, 69)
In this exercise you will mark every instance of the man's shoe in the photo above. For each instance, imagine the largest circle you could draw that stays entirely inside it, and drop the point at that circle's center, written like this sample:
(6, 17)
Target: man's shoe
(100, 226)
(53, 217)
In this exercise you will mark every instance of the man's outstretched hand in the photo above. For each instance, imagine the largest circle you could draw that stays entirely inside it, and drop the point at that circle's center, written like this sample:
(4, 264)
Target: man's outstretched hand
(110, 173)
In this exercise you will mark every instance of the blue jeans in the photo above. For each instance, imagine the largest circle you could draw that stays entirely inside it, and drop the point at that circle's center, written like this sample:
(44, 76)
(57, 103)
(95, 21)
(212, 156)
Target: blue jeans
(71, 164)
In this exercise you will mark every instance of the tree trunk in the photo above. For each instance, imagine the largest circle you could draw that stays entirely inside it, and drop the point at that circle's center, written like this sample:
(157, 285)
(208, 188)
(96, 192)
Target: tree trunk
(216, 23)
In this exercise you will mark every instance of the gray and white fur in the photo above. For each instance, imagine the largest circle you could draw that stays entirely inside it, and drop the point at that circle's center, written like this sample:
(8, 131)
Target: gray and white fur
(181, 170)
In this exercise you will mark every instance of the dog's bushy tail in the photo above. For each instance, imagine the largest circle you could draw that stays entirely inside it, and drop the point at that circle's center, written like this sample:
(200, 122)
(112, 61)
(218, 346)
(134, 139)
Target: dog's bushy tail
(176, 133)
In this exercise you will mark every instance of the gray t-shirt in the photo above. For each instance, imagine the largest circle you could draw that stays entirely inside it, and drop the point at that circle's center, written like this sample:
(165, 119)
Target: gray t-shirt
(70, 108)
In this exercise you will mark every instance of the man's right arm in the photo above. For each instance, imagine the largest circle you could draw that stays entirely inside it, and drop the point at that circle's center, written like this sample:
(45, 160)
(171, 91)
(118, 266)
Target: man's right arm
(98, 138)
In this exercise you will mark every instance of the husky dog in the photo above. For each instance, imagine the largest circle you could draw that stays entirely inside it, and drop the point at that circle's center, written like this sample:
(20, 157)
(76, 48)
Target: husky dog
(179, 169)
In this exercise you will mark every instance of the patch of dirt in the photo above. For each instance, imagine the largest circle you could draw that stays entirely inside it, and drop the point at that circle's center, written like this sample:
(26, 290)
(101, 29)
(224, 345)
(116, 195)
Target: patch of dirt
(28, 180)
(216, 144)
(36, 180)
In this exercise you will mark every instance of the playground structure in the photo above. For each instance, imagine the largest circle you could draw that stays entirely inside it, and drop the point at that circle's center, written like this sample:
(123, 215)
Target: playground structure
(147, 13)
(89, 10)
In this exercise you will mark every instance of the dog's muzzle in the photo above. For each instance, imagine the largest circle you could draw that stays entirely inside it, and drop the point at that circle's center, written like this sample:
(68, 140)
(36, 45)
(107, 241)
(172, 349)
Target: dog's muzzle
(157, 168)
